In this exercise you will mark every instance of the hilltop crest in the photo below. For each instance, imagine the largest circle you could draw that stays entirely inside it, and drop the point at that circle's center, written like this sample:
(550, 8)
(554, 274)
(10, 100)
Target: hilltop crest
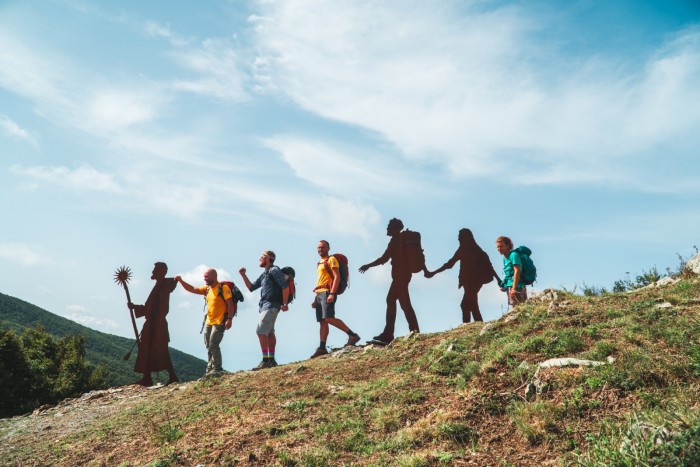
(561, 379)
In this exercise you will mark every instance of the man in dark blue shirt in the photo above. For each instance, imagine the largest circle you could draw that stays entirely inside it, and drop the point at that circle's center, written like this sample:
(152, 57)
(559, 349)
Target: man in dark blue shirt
(274, 295)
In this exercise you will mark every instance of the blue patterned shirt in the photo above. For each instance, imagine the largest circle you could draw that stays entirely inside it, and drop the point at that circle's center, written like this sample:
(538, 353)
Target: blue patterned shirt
(271, 282)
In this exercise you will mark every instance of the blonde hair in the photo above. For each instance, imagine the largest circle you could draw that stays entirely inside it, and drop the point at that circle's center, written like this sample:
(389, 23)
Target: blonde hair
(506, 240)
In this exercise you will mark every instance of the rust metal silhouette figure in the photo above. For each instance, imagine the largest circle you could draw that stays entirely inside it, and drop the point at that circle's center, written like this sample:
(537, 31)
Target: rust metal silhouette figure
(153, 354)
(475, 270)
(406, 258)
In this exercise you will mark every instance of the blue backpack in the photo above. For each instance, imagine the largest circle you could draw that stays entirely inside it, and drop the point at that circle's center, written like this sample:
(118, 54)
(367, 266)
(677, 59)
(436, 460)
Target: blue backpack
(529, 272)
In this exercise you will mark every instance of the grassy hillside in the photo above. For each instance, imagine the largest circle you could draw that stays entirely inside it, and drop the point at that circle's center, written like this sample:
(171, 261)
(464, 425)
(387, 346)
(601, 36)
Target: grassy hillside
(101, 348)
(473, 395)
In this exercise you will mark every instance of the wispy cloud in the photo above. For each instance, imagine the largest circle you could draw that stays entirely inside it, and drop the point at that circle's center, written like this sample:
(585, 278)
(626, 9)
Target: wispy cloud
(337, 214)
(115, 109)
(23, 254)
(218, 73)
(12, 129)
(478, 93)
(339, 170)
(155, 29)
(81, 178)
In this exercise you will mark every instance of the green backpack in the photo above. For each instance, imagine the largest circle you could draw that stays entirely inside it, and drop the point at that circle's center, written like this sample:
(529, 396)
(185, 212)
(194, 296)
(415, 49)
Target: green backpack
(529, 272)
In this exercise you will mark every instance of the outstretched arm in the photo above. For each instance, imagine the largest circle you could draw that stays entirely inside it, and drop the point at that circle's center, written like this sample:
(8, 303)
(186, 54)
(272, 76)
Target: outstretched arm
(448, 265)
(188, 287)
(495, 274)
(381, 260)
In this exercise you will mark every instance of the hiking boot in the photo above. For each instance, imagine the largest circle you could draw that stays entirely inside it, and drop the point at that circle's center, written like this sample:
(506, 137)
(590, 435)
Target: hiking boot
(352, 340)
(273, 363)
(320, 351)
(211, 374)
(382, 340)
(263, 364)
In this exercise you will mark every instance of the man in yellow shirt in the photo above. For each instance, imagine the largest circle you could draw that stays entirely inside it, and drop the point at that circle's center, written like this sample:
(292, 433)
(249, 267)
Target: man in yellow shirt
(220, 312)
(326, 289)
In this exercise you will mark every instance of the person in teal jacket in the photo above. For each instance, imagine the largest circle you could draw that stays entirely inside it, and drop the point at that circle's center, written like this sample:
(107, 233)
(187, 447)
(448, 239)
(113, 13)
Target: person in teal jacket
(512, 271)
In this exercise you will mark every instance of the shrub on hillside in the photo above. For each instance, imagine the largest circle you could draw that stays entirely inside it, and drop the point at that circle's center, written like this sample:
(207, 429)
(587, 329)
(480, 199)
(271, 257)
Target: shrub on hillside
(37, 369)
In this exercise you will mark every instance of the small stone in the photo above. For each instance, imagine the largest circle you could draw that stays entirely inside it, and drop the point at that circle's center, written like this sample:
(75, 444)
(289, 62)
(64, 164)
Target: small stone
(530, 392)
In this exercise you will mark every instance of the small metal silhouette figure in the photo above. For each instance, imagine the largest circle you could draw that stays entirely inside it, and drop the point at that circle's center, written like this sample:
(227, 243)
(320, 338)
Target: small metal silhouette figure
(153, 354)
(406, 258)
(475, 270)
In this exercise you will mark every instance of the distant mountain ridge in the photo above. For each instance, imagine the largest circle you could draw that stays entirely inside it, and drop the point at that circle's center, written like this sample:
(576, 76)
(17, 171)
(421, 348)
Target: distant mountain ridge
(101, 348)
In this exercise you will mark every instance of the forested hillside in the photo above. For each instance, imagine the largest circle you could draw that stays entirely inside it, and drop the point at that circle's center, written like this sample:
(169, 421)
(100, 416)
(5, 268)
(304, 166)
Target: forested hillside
(101, 348)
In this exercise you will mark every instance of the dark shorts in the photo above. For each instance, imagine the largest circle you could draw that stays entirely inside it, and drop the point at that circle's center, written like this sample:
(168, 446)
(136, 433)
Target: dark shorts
(323, 308)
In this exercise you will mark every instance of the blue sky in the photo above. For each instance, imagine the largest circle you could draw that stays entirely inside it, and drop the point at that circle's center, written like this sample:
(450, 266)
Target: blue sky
(200, 135)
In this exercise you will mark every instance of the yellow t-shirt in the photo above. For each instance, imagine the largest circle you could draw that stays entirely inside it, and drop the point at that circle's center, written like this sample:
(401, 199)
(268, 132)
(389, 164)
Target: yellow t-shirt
(216, 307)
(325, 280)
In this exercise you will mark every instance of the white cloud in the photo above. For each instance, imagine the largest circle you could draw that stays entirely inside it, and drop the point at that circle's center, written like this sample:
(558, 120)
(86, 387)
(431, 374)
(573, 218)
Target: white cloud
(12, 129)
(23, 254)
(155, 29)
(82, 315)
(182, 201)
(339, 215)
(341, 171)
(117, 109)
(195, 276)
(81, 178)
(216, 63)
(26, 73)
(479, 93)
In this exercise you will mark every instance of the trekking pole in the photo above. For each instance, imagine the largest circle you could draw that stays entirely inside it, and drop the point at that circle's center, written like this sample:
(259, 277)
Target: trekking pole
(122, 276)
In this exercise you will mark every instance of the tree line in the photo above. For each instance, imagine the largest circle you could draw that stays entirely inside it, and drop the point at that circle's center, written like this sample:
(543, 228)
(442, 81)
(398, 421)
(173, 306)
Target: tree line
(37, 368)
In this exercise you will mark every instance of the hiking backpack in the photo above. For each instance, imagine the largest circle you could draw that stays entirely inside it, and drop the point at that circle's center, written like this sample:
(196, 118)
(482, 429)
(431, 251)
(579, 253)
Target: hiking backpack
(412, 250)
(529, 272)
(236, 293)
(343, 269)
(484, 268)
(289, 275)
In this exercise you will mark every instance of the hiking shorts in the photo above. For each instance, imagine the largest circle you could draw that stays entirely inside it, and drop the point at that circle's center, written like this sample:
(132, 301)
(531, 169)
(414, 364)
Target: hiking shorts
(323, 308)
(266, 321)
(520, 296)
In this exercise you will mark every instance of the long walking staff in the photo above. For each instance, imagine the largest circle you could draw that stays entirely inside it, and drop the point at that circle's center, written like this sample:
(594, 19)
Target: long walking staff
(122, 276)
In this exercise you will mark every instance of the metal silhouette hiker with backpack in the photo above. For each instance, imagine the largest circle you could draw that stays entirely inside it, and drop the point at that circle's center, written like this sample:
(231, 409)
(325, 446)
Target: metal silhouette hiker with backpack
(406, 255)
(329, 285)
(220, 313)
(475, 270)
(518, 270)
(274, 296)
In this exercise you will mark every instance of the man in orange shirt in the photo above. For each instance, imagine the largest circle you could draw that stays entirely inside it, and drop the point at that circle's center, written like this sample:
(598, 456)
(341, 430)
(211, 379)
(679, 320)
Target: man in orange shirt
(220, 312)
(326, 290)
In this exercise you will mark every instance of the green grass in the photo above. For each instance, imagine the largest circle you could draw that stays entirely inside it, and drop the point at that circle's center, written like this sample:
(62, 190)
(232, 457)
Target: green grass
(445, 398)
